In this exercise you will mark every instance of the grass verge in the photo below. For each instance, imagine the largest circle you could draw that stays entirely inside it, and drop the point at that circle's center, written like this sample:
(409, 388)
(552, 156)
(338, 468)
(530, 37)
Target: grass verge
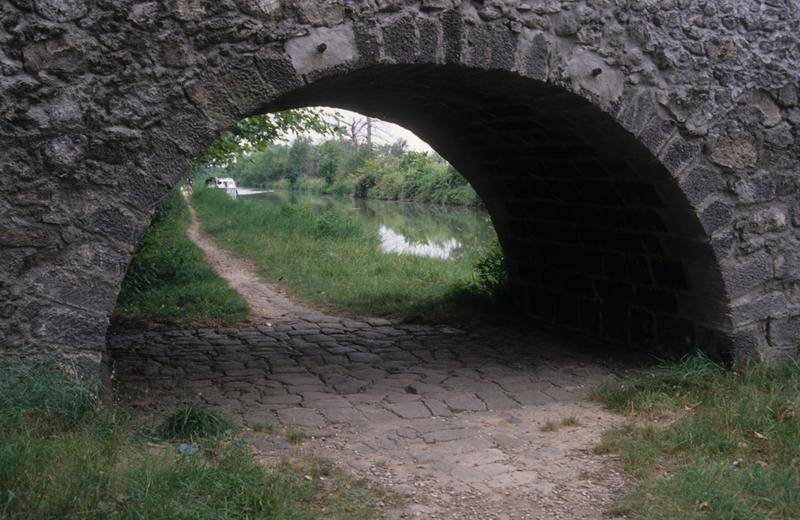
(706, 442)
(65, 456)
(170, 280)
(334, 261)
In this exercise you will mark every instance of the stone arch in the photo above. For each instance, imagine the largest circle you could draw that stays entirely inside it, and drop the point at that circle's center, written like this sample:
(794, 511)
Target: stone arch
(600, 238)
(106, 104)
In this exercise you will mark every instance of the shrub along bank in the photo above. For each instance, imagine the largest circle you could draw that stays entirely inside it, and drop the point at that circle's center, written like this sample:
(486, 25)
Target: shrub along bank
(389, 172)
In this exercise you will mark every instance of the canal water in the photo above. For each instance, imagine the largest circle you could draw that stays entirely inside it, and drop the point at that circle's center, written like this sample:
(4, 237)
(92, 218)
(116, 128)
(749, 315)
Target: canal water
(409, 228)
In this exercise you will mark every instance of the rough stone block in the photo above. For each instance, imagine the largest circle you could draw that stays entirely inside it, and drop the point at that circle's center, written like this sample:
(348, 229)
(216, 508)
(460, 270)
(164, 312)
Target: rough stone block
(401, 40)
(784, 331)
(409, 410)
(308, 54)
(301, 417)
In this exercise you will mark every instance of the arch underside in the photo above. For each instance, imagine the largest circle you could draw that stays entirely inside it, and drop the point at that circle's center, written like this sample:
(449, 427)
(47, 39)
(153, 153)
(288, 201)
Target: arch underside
(600, 239)
(107, 103)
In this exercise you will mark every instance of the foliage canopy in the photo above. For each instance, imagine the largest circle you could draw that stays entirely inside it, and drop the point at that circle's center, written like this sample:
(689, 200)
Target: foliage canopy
(255, 133)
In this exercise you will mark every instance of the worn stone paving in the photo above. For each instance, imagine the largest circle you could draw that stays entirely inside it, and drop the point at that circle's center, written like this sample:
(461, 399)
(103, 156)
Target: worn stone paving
(449, 417)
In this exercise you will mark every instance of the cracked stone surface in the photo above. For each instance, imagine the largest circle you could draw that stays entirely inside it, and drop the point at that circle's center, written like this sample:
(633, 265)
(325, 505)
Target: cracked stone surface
(449, 417)
(453, 423)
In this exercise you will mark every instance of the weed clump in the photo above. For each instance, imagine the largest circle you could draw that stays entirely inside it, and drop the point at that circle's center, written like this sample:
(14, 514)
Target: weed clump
(192, 422)
(549, 426)
(295, 436)
(491, 272)
(263, 427)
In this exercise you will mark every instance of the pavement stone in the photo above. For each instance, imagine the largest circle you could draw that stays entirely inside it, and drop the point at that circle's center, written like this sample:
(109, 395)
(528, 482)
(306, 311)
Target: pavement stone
(463, 402)
(446, 435)
(438, 408)
(467, 474)
(344, 416)
(409, 410)
(305, 417)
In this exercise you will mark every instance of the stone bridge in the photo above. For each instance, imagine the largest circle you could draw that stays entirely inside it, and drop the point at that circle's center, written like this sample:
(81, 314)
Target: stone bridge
(639, 158)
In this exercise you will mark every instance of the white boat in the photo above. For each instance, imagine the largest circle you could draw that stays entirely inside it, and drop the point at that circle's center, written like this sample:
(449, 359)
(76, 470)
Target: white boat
(227, 184)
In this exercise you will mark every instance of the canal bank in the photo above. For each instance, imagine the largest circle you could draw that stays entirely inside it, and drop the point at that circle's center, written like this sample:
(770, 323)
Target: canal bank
(356, 257)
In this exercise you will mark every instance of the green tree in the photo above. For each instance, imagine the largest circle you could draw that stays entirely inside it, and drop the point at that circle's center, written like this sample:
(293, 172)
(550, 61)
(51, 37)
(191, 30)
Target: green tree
(255, 133)
(328, 161)
(299, 160)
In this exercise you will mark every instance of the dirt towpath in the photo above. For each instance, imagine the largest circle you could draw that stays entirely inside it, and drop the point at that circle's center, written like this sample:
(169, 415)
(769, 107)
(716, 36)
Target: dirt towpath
(266, 302)
(468, 422)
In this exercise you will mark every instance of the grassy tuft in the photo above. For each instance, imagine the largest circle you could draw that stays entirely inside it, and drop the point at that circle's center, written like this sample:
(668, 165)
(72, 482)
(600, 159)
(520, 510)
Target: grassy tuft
(295, 436)
(570, 421)
(263, 428)
(170, 280)
(549, 426)
(192, 422)
(730, 449)
(64, 456)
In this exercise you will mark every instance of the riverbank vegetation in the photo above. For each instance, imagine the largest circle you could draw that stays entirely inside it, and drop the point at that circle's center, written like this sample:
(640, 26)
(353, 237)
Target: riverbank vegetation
(64, 455)
(705, 442)
(170, 280)
(348, 167)
(333, 260)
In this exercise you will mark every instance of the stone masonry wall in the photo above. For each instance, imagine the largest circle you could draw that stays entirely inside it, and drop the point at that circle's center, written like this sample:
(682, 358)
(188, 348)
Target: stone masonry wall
(639, 157)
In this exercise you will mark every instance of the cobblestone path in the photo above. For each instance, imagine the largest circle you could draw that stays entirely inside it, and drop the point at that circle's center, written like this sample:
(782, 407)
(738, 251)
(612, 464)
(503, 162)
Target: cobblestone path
(452, 418)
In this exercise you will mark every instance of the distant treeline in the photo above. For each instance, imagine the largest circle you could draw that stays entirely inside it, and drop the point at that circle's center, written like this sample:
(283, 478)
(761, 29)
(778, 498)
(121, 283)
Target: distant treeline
(340, 166)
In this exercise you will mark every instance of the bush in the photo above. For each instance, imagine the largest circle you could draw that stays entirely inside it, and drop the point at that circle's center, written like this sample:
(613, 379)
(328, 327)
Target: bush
(491, 272)
(363, 185)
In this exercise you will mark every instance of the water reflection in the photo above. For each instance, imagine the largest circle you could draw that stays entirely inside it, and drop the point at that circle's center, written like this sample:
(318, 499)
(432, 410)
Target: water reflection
(251, 191)
(393, 242)
(402, 228)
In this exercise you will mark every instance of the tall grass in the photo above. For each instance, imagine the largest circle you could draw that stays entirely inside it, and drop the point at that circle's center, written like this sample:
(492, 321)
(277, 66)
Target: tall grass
(708, 442)
(170, 280)
(65, 456)
(334, 260)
